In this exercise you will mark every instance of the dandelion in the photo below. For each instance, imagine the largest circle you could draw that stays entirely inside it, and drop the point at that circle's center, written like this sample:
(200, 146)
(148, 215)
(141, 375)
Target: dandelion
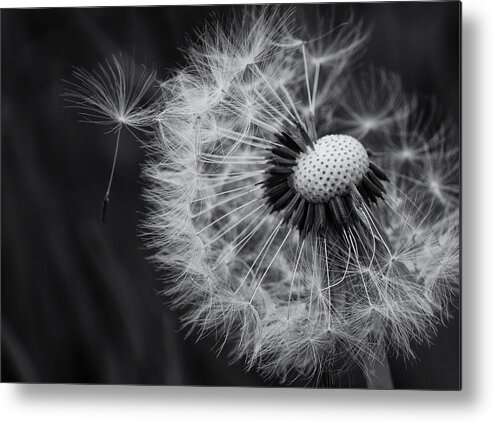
(303, 213)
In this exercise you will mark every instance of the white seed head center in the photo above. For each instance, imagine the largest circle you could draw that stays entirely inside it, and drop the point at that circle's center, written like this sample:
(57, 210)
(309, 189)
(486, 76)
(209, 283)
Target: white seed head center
(331, 168)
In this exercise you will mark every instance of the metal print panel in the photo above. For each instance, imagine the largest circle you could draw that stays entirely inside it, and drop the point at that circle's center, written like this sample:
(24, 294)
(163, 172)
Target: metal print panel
(248, 195)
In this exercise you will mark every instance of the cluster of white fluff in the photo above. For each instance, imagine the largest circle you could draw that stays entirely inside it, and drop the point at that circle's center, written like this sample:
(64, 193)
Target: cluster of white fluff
(294, 305)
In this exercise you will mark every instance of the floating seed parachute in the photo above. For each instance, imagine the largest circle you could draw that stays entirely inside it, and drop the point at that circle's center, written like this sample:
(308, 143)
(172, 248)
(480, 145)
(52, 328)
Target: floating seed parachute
(306, 214)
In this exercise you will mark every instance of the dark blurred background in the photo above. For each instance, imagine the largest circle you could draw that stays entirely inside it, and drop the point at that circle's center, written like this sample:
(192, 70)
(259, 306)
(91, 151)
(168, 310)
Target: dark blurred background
(79, 300)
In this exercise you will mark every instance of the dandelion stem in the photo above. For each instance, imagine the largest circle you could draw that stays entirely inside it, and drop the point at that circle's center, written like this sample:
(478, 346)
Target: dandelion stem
(377, 373)
(106, 198)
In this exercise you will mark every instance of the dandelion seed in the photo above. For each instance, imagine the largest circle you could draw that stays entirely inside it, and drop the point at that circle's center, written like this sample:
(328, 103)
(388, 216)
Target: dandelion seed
(116, 94)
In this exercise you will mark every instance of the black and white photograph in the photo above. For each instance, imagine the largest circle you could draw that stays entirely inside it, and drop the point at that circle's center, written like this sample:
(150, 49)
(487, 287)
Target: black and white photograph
(247, 195)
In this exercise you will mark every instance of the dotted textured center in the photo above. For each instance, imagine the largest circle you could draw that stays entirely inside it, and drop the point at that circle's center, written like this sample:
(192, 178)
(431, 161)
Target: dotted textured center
(337, 162)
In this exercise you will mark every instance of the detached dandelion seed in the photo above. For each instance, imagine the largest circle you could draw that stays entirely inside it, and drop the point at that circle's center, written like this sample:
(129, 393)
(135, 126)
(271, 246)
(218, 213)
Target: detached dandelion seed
(288, 203)
(116, 94)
